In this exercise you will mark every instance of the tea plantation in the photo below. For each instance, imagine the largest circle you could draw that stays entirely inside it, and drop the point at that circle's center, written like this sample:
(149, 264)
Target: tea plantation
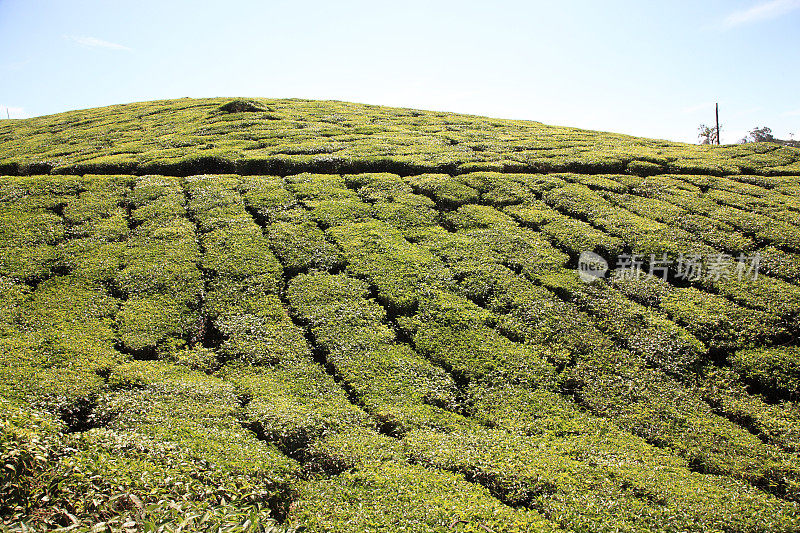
(292, 315)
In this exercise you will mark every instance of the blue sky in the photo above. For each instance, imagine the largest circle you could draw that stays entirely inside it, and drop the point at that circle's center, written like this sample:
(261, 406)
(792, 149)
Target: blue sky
(641, 67)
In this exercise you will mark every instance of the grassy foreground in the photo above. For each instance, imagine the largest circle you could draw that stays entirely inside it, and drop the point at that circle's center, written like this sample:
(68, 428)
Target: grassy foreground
(277, 315)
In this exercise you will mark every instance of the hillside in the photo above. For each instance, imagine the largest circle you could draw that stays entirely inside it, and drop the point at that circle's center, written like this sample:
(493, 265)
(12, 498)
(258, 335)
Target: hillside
(259, 136)
(228, 314)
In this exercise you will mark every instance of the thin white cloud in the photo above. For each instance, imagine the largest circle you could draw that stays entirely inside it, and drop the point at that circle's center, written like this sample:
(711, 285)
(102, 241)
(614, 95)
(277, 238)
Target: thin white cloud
(745, 112)
(94, 42)
(15, 65)
(795, 113)
(697, 108)
(759, 12)
(12, 112)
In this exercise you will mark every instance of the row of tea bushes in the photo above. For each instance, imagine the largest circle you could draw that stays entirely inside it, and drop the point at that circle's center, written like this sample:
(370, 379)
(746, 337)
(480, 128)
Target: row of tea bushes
(58, 339)
(670, 414)
(102, 479)
(780, 264)
(715, 233)
(522, 249)
(534, 315)
(268, 199)
(243, 278)
(773, 422)
(398, 269)
(646, 237)
(395, 203)
(294, 238)
(448, 193)
(719, 323)
(447, 350)
(466, 255)
(97, 227)
(390, 495)
(403, 392)
(51, 225)
(299, 408)
(400, 389)
(302, 247)
(30, 229)
(598, 475)
(172, 436)
(57, 343)
(775, 370)
(757, 195)
(296, 406)
(642, 330)
(570, 234)
(98, 211)
(777, 231)
(160, 279)
(329, 201)
(457, 334)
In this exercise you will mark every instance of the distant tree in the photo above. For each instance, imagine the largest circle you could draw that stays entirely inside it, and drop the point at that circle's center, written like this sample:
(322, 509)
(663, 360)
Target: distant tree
(762, 134)
(707, 135)
(757, 135)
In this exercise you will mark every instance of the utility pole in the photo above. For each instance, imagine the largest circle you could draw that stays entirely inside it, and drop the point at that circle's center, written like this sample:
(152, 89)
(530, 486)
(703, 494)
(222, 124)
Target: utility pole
(717, 110)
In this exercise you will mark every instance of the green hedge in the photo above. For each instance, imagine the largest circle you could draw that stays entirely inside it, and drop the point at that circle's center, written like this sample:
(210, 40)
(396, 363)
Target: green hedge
(294, 405)
(599, 479)
(378, 187)
(302, 247)
(716, 233)
(390, 496)
(781, 264)
(776, 369)
(448, 193)
(398, 388)
(644, 236)
(717, 322)
(643, 330)
(668, 414)
(412, 214)
(773, 422)
(457, 334)
(244, 278)
(57, 342)
(495, 188)
(496, 232)
(267, 196)
(28, 238)
(400, 270)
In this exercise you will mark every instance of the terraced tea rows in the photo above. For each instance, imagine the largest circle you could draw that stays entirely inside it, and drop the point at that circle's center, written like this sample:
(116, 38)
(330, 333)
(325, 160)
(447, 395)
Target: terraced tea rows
(369, 351)
(289, 136)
